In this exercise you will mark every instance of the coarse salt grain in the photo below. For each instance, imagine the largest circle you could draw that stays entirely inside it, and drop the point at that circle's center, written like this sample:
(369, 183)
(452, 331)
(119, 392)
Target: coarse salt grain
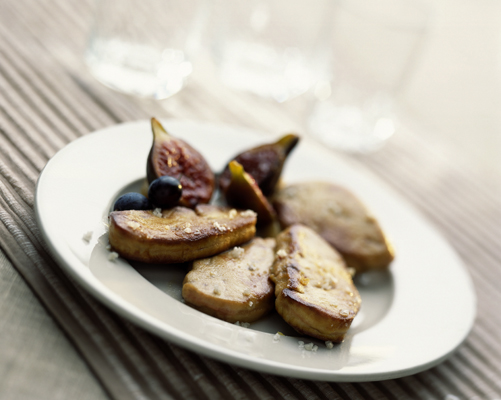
(281, 253)
(87, 236)
(308, 346)
(232, 214)
(157, 212)
(219, 227)
(248, 213)
(216, 290)
(344, 313)
(251, 303)
(236, 252)
(246, 292)
(187, 230)
(276, 338)
(334, 207)
(113, 256)
(329, 344)
(133, 224)
(300, 344)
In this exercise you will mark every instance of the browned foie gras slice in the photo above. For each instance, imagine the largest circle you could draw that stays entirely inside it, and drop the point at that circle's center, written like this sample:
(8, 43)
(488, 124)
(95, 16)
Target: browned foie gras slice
(179, 234)
(235, 285)
(314, 291)
(340, 218)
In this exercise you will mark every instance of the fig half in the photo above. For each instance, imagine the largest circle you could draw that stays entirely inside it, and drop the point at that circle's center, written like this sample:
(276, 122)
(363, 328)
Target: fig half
(264, 163)
(244, 193)
(174, 157)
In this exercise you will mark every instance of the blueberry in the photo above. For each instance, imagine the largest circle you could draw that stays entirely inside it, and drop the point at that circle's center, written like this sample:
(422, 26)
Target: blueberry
(132, 201)
(165, 192)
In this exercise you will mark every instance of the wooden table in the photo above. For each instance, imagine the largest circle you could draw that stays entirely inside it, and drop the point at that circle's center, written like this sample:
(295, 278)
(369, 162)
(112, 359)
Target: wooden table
(58, 343)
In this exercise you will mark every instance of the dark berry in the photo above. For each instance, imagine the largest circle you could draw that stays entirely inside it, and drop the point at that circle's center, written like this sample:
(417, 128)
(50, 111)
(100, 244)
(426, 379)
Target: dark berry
(132, 201)
(165, 192)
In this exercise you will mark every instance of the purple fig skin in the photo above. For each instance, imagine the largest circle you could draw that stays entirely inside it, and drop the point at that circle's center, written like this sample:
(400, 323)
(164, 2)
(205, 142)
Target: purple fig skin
(264, 163)
(174, 157)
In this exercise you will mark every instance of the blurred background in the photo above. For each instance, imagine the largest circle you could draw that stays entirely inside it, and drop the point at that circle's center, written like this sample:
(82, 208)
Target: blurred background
(454, 87)
(451, 89)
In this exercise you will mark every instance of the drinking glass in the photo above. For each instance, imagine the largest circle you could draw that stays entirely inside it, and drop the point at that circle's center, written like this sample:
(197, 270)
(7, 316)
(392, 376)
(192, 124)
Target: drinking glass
(274, 48)
(145, 47)
(374, 44)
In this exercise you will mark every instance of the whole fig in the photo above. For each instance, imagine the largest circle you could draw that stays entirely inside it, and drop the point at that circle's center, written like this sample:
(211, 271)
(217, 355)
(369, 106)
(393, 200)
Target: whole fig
(174, 157)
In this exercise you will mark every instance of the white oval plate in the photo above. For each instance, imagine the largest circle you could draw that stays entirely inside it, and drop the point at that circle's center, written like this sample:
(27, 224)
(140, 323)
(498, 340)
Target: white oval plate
(412, 317)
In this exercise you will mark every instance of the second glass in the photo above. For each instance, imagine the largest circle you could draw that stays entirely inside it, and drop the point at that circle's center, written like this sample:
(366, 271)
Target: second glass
(274, 48)
(375, 45)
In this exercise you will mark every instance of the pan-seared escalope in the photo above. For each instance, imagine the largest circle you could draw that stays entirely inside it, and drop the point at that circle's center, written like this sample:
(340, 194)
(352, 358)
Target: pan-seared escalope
(340, 218)
(179, 234)
(314, 291)
(235, 285)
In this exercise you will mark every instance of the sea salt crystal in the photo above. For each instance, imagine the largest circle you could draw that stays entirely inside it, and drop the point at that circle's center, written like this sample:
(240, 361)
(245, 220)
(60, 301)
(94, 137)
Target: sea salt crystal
(236, 252)
(87, 236)
(133, 224)
(281, 253)
(308, 346)
(220, 227)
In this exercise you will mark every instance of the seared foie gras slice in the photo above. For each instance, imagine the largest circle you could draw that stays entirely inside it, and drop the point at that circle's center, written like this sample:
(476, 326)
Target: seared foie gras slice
(235, 285)
(314, 291)
(179, 234)
(340, 218)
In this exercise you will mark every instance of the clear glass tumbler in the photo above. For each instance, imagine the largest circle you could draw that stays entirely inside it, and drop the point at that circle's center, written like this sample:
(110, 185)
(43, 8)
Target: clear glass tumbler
(374, 45)
(274, 48)
(145, 47)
